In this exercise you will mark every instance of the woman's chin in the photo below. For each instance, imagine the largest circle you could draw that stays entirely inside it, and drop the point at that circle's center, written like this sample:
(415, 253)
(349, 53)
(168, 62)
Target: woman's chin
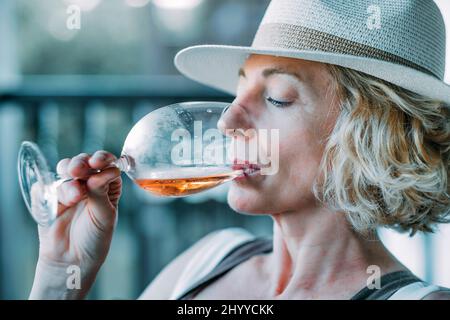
(246, 201)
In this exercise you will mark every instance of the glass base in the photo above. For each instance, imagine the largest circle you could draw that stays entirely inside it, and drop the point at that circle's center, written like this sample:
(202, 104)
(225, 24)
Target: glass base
(37, 184)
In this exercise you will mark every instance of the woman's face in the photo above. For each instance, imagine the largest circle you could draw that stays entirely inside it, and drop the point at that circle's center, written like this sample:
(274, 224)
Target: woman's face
(296, 97)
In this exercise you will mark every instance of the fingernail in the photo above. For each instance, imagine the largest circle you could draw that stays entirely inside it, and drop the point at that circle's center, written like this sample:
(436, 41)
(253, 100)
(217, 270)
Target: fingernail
(81, 164)
(100, 157)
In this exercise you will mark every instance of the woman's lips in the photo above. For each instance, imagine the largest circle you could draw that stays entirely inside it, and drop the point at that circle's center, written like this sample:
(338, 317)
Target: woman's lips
(249, 169)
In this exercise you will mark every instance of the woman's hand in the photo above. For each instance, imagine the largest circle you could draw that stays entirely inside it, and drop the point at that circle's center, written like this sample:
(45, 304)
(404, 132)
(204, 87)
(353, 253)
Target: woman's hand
(80, 237)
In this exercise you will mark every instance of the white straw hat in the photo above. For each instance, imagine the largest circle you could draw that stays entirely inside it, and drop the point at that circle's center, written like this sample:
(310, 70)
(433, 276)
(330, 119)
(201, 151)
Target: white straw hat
(400, 41)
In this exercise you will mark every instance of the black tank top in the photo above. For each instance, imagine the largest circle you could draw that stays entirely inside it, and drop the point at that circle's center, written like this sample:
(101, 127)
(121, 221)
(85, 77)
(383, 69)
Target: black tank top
(390, 282)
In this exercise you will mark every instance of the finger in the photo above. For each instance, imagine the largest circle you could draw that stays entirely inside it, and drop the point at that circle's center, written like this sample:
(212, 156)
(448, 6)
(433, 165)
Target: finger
(79, 167)
(98, 184)
(103, 209)
(101, 159)
(70, 193)
(114, 192)
(62, 166)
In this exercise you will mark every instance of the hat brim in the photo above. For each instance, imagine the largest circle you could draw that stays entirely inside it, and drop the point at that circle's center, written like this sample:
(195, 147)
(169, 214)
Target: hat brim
(217, 66)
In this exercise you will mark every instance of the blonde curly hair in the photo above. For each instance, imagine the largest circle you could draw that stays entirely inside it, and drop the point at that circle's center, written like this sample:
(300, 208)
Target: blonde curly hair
(386, 162)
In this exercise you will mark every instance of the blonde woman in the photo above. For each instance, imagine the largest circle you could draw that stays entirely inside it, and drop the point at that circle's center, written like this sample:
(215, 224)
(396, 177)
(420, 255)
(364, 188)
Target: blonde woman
(356, 92)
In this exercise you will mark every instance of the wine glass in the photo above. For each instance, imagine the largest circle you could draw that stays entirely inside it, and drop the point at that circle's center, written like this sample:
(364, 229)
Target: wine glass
(173, 151)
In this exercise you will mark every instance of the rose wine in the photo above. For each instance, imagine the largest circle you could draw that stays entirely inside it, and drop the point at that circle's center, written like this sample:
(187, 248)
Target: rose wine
(186, 181)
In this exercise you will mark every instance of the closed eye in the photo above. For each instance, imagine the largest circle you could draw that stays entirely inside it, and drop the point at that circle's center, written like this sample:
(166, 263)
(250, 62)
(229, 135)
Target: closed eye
(278, 103)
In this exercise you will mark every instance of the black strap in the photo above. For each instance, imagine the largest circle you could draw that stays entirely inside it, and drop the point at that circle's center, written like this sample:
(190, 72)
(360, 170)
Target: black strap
(238, 255)
(389, 283)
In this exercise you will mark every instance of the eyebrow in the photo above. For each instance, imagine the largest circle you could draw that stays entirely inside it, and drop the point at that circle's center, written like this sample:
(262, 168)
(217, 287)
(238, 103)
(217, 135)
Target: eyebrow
(272, 71)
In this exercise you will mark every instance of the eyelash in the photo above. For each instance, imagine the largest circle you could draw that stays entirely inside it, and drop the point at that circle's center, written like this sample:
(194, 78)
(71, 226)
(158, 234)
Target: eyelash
(277, 103)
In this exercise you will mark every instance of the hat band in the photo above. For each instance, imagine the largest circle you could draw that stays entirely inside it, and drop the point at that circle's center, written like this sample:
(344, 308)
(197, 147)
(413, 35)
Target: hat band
(289, 36)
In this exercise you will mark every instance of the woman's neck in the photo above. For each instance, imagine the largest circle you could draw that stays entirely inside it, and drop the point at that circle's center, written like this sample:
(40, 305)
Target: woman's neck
(317, 251)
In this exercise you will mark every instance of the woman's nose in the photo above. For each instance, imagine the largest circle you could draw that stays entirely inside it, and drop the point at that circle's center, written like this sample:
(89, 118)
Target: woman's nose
(234, 120)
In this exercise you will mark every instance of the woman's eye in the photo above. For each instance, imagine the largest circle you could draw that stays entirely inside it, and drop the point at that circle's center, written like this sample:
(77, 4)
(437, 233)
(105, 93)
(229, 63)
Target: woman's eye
(278, 103)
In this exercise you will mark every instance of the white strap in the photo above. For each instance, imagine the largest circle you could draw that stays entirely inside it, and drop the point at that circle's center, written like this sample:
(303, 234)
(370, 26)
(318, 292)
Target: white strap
(208, 257)
(414, 291)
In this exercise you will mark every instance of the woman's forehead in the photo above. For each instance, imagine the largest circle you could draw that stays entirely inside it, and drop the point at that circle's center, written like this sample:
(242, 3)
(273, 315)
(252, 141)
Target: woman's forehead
(258, 62)
(313, 74)
(260, 59)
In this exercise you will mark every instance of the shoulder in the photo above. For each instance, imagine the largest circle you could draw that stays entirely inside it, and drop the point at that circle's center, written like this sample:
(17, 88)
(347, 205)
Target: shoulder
(444, 294)
(164, 283)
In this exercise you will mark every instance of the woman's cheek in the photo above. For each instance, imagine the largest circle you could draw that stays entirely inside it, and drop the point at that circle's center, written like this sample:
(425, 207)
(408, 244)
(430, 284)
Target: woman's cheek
(292, 143)
(298, 153)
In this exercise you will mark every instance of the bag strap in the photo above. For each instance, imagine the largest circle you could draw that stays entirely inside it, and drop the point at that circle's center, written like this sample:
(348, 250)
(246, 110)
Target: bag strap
(206, 259)
(398, 285)
(238, 255)
(415, 291)
(389, 284)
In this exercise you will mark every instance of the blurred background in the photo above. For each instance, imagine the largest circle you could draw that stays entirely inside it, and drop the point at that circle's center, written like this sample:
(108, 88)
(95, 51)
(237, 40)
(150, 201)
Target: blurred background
(75, 90)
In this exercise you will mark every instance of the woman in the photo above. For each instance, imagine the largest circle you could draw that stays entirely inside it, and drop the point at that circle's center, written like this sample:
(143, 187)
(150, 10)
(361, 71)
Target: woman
(364, 143)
